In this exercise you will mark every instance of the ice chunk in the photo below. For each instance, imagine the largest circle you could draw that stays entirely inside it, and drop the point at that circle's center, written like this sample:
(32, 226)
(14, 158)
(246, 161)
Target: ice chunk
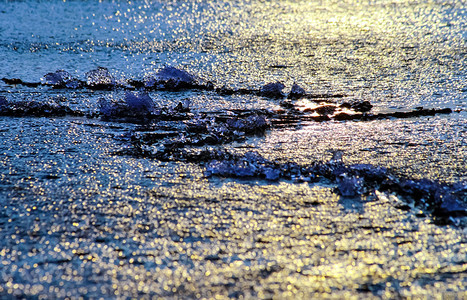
(296, 92)
(252, 124)
(271, 173)
(61, 78)
(451, 205)
(370, 172)
(254, 157)
(273, 90)
(231, 168)
(243, 169)
(171, 73)
(216, 167)
(99, 77)
(358, 106)
(34, 108)
(349, 186)
(170, 78)
(336, 158)
(362, 106)
(139, 103)
(106, 108)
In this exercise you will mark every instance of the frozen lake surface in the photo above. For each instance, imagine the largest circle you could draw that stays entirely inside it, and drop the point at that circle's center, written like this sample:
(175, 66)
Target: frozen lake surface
(162, 164)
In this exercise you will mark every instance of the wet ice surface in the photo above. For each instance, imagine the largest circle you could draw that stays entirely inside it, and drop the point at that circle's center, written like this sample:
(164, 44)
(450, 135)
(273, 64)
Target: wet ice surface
(85, 214)
(87, 223)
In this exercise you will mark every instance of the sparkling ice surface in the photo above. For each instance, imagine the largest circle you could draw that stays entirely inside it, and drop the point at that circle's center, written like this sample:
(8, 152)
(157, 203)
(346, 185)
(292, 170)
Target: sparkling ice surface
(80, 218)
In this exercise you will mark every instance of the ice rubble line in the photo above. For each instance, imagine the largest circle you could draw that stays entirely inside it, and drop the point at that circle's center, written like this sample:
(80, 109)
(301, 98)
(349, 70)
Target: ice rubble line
(351, 180)
(140, 108)
(166, 78)
(443, 200)
(171, 78)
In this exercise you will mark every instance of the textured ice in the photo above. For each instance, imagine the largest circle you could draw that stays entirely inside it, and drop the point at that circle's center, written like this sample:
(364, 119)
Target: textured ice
(169, 77)
(252, 123)
(273, 90)
(61, 79)
(350, 186)
(296, 92)
(3, 102)
(139, 103)
(171, 73)
(134, 105)
(100, 78)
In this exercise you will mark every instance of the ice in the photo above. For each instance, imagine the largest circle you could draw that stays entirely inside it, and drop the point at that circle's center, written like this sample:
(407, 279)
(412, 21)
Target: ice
(271, 173)
(35, 108)
(451, 205)
(296, 92)
(171, 73)
(134, 105)
(273, 90)
(358, 106)
(3, 102)
(171, 78)
(106, 107)
(350, 186)
(251, 124)
(99, 77)
(183, 106)
(139, 103)
(231, 168)
(61, 79)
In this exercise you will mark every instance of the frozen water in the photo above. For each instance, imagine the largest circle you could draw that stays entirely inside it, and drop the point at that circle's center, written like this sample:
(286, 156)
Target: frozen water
(273, 89)
(296, 91)
(171, 73)
(350, 186)
(3, 102)
(101, 201)
(170, 77)
(99, 77)
(140, 103)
